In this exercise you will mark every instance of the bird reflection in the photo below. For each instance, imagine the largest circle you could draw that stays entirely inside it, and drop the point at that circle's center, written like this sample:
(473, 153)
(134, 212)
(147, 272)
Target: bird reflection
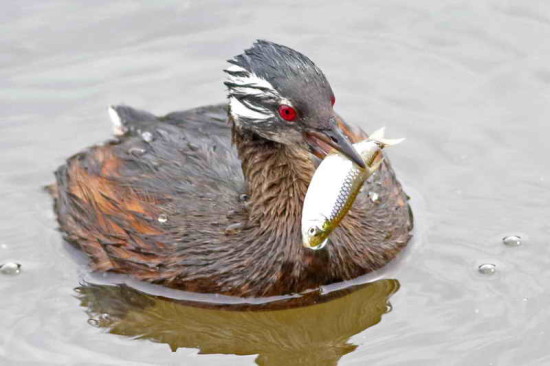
(311, 330)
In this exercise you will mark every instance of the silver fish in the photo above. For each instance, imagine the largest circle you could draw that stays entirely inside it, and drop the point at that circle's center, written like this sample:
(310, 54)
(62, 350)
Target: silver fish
(334, 187)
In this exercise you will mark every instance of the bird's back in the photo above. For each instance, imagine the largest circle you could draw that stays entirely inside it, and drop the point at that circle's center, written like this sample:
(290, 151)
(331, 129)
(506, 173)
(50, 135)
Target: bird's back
(130, 202)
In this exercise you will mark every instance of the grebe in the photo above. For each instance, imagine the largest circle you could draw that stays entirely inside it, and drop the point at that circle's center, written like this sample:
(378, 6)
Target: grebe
(210, 199)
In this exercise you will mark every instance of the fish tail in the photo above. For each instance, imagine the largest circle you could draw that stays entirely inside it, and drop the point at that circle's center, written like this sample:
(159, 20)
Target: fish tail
(378, 136)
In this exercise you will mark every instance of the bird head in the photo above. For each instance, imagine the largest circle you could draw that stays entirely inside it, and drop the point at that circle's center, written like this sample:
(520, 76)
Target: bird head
(281, 95)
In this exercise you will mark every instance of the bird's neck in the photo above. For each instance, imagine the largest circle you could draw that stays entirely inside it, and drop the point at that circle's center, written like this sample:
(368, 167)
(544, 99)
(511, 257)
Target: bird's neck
(277, 176)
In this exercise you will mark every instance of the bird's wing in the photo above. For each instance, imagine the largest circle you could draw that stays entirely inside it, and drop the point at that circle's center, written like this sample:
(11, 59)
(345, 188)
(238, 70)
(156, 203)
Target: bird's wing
(128, 202)
(128, 120)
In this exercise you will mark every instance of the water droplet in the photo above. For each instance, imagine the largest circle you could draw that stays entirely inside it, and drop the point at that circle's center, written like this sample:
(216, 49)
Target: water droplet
(525, 299)
(243, 197)
(93, 322)
(147, 136)
(136, 151)
(487, 268)
(374, 197)
(10, 268)
(105, 317)
(163, 218)
(234, 228)
(512, 240)
(389, 307)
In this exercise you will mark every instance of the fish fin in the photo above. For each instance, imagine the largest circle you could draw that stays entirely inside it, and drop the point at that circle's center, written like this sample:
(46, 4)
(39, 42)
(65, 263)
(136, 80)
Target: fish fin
(378, 136)
(391, 142)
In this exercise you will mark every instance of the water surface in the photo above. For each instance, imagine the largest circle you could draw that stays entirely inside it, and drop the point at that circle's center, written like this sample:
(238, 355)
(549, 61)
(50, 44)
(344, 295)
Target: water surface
(468, 84)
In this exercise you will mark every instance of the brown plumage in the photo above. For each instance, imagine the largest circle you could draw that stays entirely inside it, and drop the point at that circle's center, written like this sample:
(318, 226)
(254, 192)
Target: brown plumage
(195, 201)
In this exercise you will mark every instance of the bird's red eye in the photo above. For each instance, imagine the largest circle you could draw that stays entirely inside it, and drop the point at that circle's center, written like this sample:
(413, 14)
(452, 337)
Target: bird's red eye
(332, 100)
(287, 112)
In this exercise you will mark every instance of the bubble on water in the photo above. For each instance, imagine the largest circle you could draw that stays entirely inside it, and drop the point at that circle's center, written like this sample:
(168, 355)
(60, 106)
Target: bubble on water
(525, 299)
(487, 268)
(147, 136)
(243, 197)
(389, 307)
(163, 218)
(234, 228)
(93, 322)
(512, 240)
(10, 268)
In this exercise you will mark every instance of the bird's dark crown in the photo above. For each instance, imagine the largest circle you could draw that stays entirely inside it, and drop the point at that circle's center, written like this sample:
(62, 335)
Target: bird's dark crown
(279, 65)
(269, 75)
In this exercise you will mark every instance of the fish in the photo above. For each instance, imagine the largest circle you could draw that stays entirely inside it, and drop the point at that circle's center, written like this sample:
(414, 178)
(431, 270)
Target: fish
(334, 187)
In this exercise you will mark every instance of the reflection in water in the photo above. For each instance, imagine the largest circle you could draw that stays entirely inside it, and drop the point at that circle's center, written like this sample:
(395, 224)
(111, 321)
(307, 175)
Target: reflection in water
(314, 332)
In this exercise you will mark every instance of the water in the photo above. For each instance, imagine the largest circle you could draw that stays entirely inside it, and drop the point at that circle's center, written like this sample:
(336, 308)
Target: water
(10, 268)
(163, 218)
(466, 82)
(512, 240)
(147, 136)
(375, 197)
(487, 268)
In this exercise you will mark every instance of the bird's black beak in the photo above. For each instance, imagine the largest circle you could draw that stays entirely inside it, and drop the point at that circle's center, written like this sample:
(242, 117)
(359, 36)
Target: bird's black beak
(322, 140)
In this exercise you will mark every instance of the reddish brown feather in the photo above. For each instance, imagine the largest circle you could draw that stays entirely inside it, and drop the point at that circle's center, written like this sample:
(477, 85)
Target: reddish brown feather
(108, 205)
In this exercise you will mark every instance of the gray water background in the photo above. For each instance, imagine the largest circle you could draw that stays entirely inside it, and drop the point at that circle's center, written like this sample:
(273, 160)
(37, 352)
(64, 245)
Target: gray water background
(466, 82)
